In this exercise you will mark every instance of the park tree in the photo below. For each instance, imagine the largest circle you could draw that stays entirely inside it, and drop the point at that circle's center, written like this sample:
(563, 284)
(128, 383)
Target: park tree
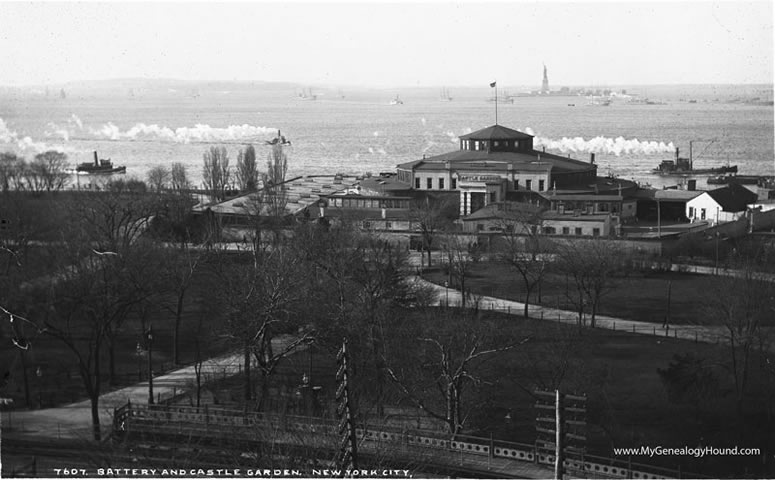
(524, 248)
(460, 258)
(11, 168)
(431, 215)
(47, 171)
(590, 267)
(259, 291)
(247, 169)
(216, 172)
(158, 177)
(179, 177)
(440, 361)
(742, 305)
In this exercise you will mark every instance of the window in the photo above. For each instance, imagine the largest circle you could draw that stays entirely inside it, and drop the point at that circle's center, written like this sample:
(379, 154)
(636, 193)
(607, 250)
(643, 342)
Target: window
(516, 184)
(416, 183)
(691, 212)
(429, 181)
(702, 214)
(441, 184)
(566, 230)
(541, 185)
(496, 143)
(549, 230)
(388, 225)
(528, 184)
(595, 232)
(476, 145)
(479, 227)
(578, 230)
(454, 183)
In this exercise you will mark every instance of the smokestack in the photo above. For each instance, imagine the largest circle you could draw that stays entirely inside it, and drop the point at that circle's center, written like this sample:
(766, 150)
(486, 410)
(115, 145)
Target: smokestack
(592, 158)
(544, 149)
(96, 162)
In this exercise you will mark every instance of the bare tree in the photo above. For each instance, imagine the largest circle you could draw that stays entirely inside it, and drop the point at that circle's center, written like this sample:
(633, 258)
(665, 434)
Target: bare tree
(247, 169)
(444, 356)
(158, 177)
(430, 215)
(216, 172)
(524, 249)
(591, 265)
(11, 168)
(179, 177)
(178, 269)
(743, 305)
(460, 261)
(47, 171)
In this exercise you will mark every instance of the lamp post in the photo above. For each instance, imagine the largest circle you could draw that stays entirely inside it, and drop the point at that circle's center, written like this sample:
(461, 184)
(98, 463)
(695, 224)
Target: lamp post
(139, 354)
(149, 339)
(446, 286)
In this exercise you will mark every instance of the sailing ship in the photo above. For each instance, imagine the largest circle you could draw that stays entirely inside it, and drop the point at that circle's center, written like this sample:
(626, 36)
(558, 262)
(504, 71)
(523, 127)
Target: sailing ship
(445, 95)
(306, 95)
(396, 101)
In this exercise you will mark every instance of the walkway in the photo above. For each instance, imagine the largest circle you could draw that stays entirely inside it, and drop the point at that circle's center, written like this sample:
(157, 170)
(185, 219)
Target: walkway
(698, 333)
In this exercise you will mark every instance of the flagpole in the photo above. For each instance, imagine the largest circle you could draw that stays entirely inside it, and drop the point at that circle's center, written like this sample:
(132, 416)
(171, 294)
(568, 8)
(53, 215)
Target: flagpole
(496, 103)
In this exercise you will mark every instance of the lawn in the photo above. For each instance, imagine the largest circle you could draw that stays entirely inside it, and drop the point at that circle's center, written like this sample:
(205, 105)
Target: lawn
(638, 296)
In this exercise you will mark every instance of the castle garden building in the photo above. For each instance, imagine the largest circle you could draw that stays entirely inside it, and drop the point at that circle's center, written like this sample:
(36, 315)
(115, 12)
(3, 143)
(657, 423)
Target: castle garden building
(491, 163)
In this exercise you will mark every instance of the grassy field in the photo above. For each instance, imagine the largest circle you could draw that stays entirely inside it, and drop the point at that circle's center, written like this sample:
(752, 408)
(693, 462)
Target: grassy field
(638, 296)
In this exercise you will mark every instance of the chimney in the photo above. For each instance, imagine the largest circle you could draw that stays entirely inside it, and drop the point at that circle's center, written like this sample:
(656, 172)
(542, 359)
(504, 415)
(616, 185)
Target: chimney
(96, 162)
(544, 149)
(591, 158)
(676, 154)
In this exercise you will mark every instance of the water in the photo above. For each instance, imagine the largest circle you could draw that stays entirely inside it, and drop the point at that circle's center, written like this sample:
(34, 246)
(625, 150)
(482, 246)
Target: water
(362, 133)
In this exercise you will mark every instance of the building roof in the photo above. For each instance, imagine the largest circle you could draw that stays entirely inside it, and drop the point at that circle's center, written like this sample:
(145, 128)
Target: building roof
(300, 193)
(478, 159)
(496, 132)
(582, 197)
(733, 197)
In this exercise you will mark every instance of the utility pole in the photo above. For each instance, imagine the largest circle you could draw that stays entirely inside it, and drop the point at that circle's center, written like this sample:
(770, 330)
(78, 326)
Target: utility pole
(561, 435)
(348, 450)
(559, 453)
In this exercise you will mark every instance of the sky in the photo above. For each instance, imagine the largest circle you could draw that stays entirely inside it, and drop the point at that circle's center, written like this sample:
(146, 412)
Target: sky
(378, 44)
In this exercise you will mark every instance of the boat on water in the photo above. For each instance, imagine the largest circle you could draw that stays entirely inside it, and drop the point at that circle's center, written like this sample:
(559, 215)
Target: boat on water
(445, 96)
(685, 166)
(758, 180)
(308, 95)
(396, 101)
(99, 167)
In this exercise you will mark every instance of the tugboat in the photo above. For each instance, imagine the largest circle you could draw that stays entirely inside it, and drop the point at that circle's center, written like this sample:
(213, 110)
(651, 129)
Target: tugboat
(99, 167)
(685, 166)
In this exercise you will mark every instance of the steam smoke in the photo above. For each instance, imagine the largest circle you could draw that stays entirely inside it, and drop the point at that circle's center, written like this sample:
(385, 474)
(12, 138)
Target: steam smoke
(24, 144)
(613, 146)
(198, 133)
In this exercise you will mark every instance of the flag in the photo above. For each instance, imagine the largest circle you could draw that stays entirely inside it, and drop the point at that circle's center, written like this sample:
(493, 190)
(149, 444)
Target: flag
(492, 85)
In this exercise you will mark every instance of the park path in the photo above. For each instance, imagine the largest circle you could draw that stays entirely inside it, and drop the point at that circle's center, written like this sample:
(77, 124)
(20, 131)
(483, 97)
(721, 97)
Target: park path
(697, 333)
(74, 420)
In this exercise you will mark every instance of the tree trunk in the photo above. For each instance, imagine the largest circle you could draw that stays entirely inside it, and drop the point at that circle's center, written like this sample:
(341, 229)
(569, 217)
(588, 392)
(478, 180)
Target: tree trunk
(248, 389)
(95, 394)
(25, 378)
(111, 361)
(176, 330)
